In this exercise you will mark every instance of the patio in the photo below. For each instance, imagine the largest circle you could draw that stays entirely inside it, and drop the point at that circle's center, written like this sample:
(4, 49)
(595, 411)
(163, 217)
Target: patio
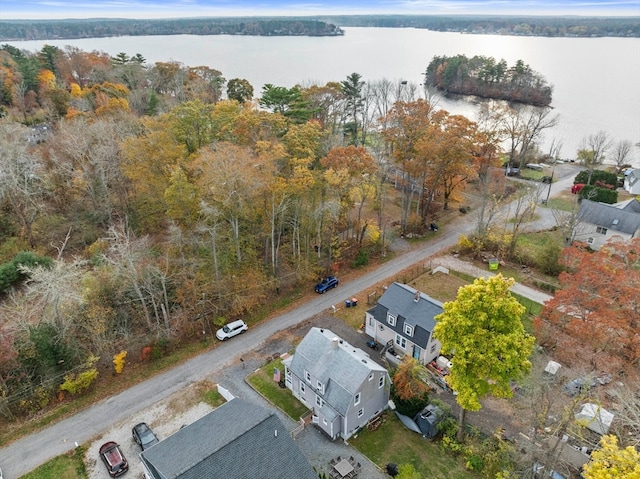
(344, 468)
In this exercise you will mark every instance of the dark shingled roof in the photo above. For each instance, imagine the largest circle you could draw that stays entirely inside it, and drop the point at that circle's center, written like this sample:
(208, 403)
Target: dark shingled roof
(400, 300)
(601, 214)
(238, 440)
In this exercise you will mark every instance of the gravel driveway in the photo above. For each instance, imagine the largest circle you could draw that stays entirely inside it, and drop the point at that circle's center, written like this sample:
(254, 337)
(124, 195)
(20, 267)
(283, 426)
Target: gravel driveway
(167, 416)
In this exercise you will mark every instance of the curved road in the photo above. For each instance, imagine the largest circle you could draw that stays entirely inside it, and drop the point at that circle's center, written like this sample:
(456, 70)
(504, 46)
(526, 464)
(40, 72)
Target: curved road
(27, 453)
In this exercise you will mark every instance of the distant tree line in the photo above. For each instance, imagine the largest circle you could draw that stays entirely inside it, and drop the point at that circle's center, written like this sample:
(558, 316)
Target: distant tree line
(67, 29)
(321, 26)
(503, 25)
(485, 77)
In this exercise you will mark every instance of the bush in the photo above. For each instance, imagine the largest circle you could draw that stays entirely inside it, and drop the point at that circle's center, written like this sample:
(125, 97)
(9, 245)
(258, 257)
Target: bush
(601, 195)
(548, 259)
(361, 259)
(596, 176)
(75, 383)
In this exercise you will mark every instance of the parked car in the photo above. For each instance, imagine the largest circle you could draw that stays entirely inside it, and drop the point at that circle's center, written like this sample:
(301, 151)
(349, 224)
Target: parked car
(326, 284)
(232, 329)
(513, 171)
(534, 166)
(144, 436)
(0, 473)
(112, 456)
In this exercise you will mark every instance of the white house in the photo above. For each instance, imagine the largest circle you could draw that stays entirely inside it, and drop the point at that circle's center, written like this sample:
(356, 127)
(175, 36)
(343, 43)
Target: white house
(632, 181)
(599, 222)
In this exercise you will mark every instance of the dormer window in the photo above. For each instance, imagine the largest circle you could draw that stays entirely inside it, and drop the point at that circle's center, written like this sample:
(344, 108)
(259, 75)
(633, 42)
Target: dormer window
(320, 387)
(408, 330)
(391, 319)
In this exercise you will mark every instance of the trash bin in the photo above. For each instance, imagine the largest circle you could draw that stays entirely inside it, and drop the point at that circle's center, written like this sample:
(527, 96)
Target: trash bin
(493, 264)
(347, 303)
(354, 302)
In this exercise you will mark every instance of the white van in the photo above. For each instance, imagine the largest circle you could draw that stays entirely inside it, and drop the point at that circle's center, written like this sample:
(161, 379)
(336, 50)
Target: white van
(232, 329)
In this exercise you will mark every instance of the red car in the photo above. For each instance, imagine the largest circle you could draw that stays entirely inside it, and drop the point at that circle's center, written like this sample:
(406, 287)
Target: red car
(113, 458)
(575, 189)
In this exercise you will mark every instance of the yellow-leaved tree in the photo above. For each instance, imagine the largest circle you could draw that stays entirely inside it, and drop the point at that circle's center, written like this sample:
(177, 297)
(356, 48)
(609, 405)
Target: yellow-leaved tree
(483, 326)
(611, 461)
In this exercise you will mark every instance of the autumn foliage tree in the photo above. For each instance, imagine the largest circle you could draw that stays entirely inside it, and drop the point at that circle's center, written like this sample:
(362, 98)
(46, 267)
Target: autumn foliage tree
(598, 304)
(611, 461)
(483, 326)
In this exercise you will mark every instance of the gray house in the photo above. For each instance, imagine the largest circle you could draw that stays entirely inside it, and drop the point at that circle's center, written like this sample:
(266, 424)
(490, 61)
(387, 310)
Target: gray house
(235, 441)
(404, 317)
(599, 222)
(343, 386)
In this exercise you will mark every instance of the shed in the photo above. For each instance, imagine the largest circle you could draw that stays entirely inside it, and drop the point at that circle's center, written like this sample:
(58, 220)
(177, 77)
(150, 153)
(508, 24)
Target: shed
(595, 418)
(428, 420)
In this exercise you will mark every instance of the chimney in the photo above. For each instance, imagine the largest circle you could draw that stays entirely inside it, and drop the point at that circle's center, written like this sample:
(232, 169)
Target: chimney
(334, 343)
(416, 297)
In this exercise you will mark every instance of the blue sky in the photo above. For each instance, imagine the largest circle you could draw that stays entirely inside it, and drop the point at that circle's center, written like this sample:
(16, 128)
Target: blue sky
(50, 9)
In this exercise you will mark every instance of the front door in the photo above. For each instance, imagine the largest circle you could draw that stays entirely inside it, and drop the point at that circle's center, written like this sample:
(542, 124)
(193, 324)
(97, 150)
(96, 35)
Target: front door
(416, 352)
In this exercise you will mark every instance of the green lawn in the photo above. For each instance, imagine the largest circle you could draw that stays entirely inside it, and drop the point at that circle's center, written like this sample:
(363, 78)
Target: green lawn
(392, 442)
(67, 466)
(262, 381)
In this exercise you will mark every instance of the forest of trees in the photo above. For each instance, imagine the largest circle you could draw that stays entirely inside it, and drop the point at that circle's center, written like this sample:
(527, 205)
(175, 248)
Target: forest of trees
(488, 78)
(67, 29)
(547, 26)
(562, 26)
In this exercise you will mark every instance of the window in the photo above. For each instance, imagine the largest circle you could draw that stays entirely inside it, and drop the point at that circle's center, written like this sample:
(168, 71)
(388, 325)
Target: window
(590, 241)
(324, 421)
(370, 376)
(381, 382)
(356, 399)
(320, 386)
(360, 412)
(370, 320)
(408, 330)
(601, 230)
(302, 388)
(391, 319)
(401, 341)
(433, 348)
(319, 401)
(307, 376)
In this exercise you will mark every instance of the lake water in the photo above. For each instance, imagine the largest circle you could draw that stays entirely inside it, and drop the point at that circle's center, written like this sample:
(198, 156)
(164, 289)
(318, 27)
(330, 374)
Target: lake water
(596, 80)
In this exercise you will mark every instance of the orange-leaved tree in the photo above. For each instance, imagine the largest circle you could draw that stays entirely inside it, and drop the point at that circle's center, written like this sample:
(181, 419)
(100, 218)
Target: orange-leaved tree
(598, 304)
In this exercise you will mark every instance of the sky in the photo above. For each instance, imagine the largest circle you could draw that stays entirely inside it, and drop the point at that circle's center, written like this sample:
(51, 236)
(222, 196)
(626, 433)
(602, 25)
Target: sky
(59, 9)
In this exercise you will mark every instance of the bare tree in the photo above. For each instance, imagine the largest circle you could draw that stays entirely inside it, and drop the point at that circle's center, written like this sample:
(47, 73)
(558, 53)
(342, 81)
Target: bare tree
(525, 126)
(593, 150)
(21, 182)
(621, 154)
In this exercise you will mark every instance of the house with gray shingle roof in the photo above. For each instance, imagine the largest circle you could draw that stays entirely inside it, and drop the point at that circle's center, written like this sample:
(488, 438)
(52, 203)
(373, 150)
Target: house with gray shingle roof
(343, 386)
(632, 181)
(235, 441)
(403, 318)
(599, 222)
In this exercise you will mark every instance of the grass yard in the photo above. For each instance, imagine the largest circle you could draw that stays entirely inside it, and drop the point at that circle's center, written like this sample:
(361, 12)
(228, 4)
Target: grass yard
(262, 381)
(392, 442)
(69, 466)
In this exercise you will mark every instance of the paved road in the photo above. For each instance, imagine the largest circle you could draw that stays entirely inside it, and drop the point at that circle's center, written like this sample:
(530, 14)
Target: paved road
(29, 452)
